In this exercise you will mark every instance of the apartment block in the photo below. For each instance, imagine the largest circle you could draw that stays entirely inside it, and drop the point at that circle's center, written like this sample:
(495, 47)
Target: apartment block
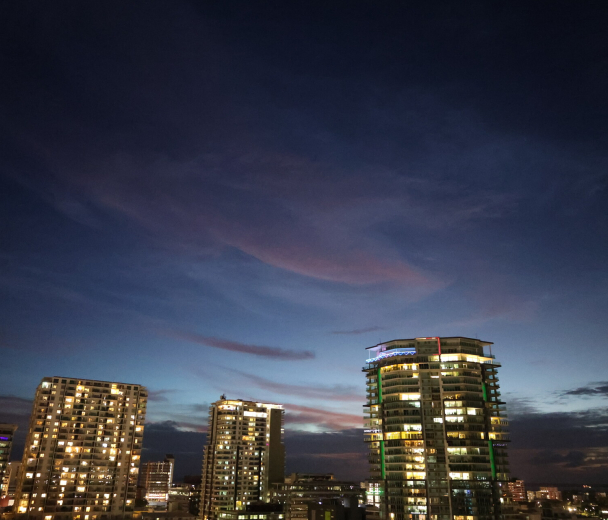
(517, 489)
(302, 490)
(157, 478)
(436, 430)
(244, 455)
(83, 450)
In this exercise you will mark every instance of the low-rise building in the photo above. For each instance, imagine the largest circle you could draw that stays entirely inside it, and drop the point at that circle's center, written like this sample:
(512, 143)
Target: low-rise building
(157, 478)
(334, 510)
(179, 497)
(517, 489)
(255, 511)
(302, 489)
(549, 493)
(163, 515)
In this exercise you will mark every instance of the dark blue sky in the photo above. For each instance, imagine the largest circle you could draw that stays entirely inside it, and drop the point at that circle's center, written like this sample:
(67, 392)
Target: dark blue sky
(241, 197)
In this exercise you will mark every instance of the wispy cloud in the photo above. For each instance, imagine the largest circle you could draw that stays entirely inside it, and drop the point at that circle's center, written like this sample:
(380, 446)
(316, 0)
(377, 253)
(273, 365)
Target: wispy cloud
(599, 388)
(246, 348)
(354, 456)
(160, 395)
(320, 418)
(312, 391)
(358, 331)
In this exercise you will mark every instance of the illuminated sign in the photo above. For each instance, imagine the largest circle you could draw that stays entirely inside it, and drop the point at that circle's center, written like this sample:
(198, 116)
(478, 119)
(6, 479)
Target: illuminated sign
(391, 353)
(373, 430)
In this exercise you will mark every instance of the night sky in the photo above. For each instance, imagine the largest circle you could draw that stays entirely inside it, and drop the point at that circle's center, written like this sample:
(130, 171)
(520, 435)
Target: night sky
(240, 197)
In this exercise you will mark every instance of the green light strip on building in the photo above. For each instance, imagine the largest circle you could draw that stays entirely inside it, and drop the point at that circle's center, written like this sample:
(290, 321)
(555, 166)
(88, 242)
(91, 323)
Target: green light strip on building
(382, 463)
(485, 392)
(492, 462)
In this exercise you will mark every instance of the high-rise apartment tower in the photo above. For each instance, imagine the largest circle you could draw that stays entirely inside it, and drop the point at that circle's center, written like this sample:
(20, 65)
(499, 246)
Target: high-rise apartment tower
(82, 451)
(436, 430)
(243, 456)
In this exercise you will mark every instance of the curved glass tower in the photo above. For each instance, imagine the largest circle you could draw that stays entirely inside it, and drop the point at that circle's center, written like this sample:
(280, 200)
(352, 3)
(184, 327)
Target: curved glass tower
(436, 430)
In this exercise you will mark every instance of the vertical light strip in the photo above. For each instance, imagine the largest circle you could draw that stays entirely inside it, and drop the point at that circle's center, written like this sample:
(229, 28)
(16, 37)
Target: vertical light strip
(382, 463)
(492, 461)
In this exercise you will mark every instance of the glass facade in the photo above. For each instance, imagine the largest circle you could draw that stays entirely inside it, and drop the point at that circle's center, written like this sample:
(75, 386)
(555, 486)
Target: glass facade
(436, 430)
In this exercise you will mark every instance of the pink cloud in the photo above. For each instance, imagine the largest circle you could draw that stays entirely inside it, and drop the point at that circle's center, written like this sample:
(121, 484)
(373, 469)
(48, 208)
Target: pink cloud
(326, 419)
(246, 348)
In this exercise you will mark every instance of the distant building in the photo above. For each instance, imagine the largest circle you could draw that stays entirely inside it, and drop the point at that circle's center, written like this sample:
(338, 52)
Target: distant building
(164, 515)
(7, 432)
(373, 500)
(82, 450)
(549, 493)
(156, 478)
(9, 484)
(255, 511)
(301, 490)
(436, 429)
(517, 489)
(542, 510)
(244, 455)
(331, 509)
(179, 497)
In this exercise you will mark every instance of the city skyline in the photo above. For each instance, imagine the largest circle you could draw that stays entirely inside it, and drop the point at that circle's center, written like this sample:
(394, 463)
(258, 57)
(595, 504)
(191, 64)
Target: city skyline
(242, 198)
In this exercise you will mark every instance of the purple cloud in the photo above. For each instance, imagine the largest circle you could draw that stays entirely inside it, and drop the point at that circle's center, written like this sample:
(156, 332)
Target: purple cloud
(324, 419)
(245, 348)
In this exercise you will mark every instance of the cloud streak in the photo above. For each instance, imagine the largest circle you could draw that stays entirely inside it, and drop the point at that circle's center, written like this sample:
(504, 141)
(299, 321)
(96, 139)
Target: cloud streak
(323, 419)
(312, 391)
(244, 348)
(592, 389)
(358, 331)
(160, 395)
